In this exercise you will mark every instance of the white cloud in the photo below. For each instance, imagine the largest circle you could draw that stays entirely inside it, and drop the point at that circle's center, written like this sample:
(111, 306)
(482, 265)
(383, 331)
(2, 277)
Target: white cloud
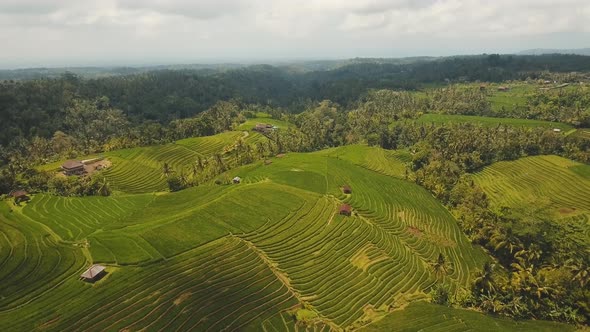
(190, 30)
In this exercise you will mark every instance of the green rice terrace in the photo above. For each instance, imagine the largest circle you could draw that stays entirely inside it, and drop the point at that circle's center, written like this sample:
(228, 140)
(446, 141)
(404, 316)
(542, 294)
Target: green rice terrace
(252, 255)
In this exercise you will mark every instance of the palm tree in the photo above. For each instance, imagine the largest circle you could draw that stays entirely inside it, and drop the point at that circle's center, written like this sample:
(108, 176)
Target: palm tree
(260, 149)
(440, 266)
(166, 169)
(484, 280)
(104, 188)
(200, 163)
(581, 272)
(219, 162)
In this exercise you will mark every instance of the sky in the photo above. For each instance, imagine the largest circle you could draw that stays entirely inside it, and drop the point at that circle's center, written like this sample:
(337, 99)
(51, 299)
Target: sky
(53, 33)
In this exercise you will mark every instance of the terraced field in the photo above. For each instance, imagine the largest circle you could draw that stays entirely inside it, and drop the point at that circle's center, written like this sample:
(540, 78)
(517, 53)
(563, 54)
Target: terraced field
(224, 285)
(249, 256)
(140, 170)
(491, 122)
(422, 316)
(32, 262)
(74, 218)
(555, 184)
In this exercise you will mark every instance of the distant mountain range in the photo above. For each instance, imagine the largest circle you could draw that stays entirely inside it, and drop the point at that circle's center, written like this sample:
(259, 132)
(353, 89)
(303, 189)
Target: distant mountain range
(539, 51)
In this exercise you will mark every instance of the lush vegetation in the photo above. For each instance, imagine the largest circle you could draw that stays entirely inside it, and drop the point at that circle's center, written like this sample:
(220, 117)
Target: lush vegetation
(463, 195)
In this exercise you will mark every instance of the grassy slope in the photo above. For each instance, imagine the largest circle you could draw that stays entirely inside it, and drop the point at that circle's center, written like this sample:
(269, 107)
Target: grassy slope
(491, 122)
(422, 316)
(287, 245)
(554, 183)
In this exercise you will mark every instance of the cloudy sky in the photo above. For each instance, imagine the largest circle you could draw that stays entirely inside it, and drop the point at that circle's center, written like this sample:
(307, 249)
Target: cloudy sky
(138, 32)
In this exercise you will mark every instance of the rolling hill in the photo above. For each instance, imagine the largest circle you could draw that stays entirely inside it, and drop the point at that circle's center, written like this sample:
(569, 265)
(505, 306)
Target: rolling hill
(248, 256)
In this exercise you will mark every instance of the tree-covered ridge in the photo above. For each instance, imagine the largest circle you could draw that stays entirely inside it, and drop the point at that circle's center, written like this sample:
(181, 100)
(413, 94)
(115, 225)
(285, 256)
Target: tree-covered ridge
(38, 107)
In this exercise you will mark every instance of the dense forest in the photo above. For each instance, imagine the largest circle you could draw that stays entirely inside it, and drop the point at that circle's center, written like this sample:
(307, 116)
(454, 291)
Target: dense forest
(37, 107)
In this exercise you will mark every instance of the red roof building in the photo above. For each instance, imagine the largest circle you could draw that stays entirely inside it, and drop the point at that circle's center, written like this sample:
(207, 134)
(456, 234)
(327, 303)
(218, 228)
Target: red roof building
(345, 210)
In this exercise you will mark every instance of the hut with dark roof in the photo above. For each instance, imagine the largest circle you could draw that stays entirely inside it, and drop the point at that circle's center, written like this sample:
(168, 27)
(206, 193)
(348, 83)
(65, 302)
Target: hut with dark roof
(73, 167)
(345, 210)
(346, 189)
(93, 273)
(20, 196)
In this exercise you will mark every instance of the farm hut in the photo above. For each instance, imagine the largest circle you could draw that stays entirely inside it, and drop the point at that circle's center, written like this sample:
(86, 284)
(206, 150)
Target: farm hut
(482, 88)
(73, 167)
(556, 130)
(503, 88)
(346, 189)
(93, 273)
(268, 162)
(345, 210)
(20, 196)
(264, 127)
(237, 180)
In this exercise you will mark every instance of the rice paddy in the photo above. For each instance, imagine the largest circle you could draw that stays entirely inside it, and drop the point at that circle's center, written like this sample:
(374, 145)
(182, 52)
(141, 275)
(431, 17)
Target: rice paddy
(491, 122)
(248, 256)
(551, 183)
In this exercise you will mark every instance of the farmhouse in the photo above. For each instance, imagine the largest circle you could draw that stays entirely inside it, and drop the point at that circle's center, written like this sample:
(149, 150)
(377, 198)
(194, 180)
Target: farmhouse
(345, 210)
(556, 130)
(20, 196)
(73, 167)
(503, 88)
(264, 128)
(237, 180)
(93, 273)
(346, 189)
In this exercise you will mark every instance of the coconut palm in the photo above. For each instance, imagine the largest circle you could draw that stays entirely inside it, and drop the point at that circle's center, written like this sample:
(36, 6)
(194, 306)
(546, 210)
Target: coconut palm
(484, 282)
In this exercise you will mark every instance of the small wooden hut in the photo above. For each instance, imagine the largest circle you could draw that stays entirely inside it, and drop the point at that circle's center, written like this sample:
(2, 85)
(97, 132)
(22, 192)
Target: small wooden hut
(93, 273)
(345, 210)
(73, 167)
(20, 196)
(346, 189)
(237, 180)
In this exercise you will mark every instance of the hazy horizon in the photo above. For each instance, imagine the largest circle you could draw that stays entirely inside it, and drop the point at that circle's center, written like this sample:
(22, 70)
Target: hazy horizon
(68, 33)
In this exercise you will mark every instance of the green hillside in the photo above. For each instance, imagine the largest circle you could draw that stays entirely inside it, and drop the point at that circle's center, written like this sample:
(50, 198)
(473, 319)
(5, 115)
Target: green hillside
(421, 316)
(248, 256)
(491, 122)
(555, 184)
(268, 244)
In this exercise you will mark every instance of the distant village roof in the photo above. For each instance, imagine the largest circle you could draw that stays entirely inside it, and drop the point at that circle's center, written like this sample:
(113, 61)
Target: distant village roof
(19, 193)
(93, 271)
(72, 164)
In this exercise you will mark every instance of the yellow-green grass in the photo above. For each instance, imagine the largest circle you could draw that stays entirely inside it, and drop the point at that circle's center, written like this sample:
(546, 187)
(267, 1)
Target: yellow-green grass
(140, 170)
(33, 262)
(74, 218)
(251, 123)
(422, 316)
(223, 285)
(491, 122)
(234, 256)
(552, 183)
(515, 97)
(583, 132)
(383, 252)
(388, 162)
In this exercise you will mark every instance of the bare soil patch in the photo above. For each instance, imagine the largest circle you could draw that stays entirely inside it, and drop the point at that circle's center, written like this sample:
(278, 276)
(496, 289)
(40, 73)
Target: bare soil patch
(414, 231)
(96, 166)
